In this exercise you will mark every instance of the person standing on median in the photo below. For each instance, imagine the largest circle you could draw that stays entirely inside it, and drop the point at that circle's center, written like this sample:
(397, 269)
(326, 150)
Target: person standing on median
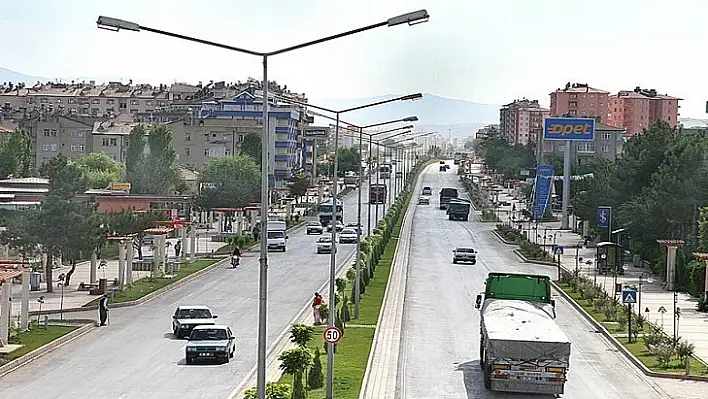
(316, 302)
(103, 309)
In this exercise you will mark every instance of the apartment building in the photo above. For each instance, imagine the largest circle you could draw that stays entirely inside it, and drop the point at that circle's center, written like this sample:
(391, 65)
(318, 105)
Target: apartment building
(487, 131)
(608, 144)
(110, 136)
(521, 121)
(637, 109)
(59, 134)
(580, 100)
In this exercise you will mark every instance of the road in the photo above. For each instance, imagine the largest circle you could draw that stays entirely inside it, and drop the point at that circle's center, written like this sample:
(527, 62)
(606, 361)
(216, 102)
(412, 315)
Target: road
(439, 349)
(136, 356)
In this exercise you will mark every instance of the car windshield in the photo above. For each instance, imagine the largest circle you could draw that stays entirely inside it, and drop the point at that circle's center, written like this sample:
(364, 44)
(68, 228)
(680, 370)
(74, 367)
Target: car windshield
(325, 239)
(314, 224)
(465, 250)
(276, 234)
(348, 231)
(194, 314)
(212, 334)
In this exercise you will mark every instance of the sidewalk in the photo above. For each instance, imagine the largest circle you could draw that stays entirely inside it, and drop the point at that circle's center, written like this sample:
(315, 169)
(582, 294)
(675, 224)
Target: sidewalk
(692, 324)
(73, 298)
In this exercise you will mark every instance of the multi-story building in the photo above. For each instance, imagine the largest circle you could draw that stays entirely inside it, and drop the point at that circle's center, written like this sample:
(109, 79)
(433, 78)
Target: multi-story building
(637, 109)
(608, 143)
(581, 101)
(521, 121)
(110, 136)
(487, 131)
(59, 134)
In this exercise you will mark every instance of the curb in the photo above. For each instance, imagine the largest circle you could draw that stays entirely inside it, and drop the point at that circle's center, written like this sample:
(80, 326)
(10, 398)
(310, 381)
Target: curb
(502, 239)
(150, 296)
(537, 262)
(22, 360)
(487, 221)
(629, 355)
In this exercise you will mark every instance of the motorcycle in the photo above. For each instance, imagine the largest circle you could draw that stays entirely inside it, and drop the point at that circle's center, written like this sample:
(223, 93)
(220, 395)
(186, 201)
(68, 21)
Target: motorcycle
(235, 261)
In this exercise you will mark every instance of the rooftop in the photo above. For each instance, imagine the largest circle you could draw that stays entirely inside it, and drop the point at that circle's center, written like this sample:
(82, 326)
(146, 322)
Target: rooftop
(579, 88)
(25, 180)
(650, 94)
(602, 126)
(121, 125)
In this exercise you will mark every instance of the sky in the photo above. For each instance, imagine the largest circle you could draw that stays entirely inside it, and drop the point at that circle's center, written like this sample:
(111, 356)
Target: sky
(486, 51)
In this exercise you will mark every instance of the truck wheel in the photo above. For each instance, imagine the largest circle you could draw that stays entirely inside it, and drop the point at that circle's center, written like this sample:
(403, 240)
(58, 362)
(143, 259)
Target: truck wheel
(189, 360)
(488, 377)
(454, 261)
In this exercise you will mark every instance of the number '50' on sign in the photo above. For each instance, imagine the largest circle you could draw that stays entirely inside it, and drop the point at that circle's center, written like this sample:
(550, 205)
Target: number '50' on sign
(332, 335)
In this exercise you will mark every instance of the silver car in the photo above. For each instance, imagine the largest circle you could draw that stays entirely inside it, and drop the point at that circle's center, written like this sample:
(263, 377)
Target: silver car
(210, 343)
(186, 318)
(461, 254)
(424, 201)
(314, 228)
(348, 236)
(324, 245)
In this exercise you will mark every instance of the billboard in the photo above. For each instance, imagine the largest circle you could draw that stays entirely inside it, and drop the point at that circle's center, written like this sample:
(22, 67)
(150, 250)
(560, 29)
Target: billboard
(604, 217)
(316, 132)
(542, 197)
(569, 129)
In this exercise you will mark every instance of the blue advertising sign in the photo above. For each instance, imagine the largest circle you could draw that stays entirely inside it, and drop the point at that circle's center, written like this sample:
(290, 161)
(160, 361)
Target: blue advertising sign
(604, 216)
(569, 129)
(544, 178)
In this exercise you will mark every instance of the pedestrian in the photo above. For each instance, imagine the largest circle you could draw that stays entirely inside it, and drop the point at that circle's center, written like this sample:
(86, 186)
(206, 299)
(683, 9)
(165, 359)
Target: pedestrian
(316, 302)
(103, 309)
(178, 248)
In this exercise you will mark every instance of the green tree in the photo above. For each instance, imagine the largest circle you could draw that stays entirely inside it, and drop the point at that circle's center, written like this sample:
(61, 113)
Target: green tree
(298, 183)
(301, 334)
(229, 182)
(155, 172)
(315, 377)
(15, 154)
(349, 160)
(251, 146)
(295, 362)
(66, 178)
(130, 221)
(100, 170)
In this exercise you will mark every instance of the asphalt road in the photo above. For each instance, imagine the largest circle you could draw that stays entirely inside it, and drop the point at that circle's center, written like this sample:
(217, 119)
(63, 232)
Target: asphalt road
(440, 343)
(137, 357)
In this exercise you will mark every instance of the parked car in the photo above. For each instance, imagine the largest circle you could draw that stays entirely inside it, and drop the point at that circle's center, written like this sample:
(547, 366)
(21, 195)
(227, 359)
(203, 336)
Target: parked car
(424, 201)
(187, 318)
(314, 228)
(324, 245)
(464, 254)
(209, 343)
(348, 236)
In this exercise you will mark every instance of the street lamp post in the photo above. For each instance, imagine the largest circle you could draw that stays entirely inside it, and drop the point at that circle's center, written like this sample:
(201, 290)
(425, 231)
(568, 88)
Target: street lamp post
(116, 25)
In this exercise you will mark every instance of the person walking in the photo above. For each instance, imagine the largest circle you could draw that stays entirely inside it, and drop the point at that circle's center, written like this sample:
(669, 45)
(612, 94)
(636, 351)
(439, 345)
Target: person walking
(103, 309)
(316, 302)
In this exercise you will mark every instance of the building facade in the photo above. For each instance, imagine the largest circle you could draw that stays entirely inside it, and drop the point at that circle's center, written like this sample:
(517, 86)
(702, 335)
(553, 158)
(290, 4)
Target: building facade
(608, 144)
(636, 110)
(521, 121)
(581, 101)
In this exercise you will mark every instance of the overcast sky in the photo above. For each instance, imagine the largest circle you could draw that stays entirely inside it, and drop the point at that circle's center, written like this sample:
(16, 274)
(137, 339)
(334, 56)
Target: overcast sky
(488, 51)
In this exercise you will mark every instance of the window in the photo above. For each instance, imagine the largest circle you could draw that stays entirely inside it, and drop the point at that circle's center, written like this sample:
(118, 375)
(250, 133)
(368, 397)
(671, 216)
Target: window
(109, 142)
(606, 136)
(49, 147)
(585, 147)
(186, 151)
(53, 133)
(573, 104)
(82, 148)
(77, 133)
(605, 148)
(133, 111)
(110, 101)
(95, 101)
(133, 102)
(206, 152)
(226, 136)
(46, 132)
(149, 103)
(114, 142)
(215, 152)
(187, 137)
(240, 138)
(72, 101)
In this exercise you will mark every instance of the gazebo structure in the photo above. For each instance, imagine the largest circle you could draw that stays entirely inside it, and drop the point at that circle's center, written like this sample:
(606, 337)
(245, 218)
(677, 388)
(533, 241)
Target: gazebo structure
(704, 257)
(10, 269)
(185, 229)
(159, 254)
(672, 246)
(125, 258)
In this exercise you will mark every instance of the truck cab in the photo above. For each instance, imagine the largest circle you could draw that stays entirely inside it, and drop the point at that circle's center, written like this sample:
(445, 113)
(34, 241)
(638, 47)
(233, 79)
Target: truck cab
(522, 349)
(277, 237)
(459, 209)
(446, 194)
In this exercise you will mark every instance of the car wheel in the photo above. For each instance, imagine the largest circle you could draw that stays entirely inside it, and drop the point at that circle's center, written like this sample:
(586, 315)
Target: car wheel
(189, 360)
(174, 332)
(233, 352)
(454, 261)
(227, 359)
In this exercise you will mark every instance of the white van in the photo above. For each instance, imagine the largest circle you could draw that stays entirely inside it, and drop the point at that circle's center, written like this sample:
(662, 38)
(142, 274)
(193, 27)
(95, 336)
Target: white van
(277, 238)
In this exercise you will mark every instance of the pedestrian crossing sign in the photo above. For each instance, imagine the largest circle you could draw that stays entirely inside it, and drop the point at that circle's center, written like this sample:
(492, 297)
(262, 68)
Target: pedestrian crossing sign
(629, 296)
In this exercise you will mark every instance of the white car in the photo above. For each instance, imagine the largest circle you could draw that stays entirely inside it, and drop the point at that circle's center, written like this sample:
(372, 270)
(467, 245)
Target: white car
(314, 228)
(424, 201)
(355, 226)
(187, 318)
(339, 226)
(348, 236)
(324, 245)
(215, 342)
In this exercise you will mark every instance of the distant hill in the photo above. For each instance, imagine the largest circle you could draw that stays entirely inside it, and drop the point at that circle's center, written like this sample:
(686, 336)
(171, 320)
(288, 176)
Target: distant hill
(435, 113)
(693, 122)
(7, 75)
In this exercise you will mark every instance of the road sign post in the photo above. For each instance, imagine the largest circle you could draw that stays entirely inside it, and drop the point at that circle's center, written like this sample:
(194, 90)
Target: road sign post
(332, 335)
(558, 250)
(628, 298)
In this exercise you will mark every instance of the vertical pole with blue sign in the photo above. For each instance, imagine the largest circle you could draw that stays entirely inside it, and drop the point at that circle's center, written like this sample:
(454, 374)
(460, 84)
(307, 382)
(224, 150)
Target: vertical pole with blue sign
(568, 130)
(544, 181)
(604, 220)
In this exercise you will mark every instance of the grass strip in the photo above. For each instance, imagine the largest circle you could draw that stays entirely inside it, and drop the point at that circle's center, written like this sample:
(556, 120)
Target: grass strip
(147, 285)
(636, 347)
(35, 338)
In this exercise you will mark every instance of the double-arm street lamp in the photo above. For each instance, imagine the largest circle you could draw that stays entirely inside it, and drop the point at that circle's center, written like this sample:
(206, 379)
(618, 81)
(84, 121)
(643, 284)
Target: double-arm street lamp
(116, 25)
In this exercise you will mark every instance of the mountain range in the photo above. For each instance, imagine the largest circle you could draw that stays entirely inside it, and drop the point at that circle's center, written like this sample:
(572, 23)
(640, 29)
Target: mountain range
(456, 118)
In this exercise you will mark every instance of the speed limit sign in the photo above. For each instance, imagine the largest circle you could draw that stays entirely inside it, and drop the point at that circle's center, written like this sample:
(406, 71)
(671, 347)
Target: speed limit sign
(332, 335)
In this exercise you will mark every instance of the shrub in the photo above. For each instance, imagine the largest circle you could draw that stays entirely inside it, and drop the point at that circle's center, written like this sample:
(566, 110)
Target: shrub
(301, 334)
(315, 378)
(273, 391)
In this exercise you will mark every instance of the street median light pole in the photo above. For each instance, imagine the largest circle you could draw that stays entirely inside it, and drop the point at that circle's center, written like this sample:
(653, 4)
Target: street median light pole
(116, 25)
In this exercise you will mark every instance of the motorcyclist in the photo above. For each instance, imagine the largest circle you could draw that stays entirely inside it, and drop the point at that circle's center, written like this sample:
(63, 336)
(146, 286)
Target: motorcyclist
(236, 257)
